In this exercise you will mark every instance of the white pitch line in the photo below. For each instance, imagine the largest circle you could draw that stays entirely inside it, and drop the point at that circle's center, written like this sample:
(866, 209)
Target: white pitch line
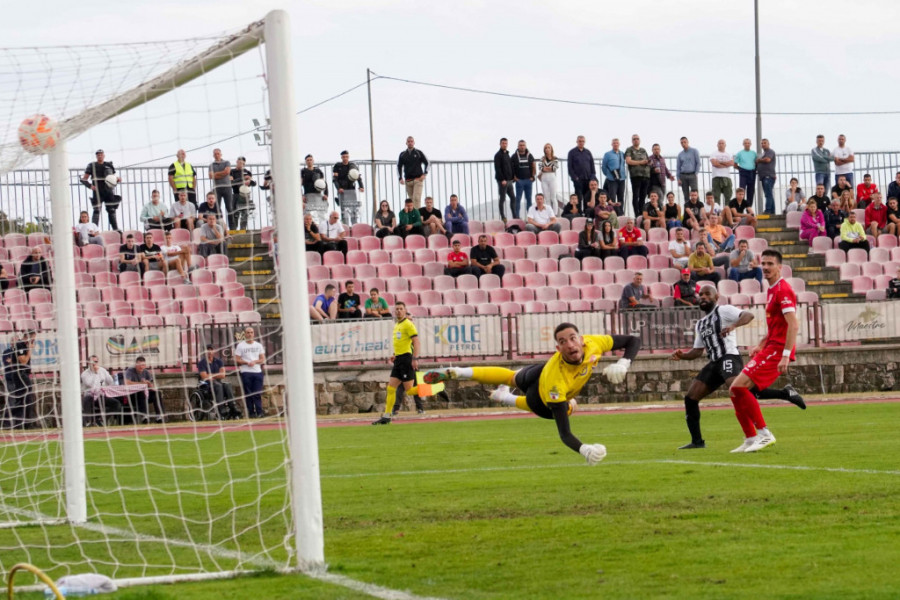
(776, 467)
(376, 591)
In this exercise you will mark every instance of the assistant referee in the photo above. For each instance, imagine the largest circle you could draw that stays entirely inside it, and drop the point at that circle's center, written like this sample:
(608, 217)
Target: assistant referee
(406, 349)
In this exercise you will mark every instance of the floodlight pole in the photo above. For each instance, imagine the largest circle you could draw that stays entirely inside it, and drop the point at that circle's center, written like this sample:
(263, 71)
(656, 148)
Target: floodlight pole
(760, 201)
(374, 195)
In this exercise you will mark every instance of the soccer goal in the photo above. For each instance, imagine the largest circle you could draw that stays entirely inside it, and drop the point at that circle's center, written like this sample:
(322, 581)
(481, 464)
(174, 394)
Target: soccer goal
(162, 477)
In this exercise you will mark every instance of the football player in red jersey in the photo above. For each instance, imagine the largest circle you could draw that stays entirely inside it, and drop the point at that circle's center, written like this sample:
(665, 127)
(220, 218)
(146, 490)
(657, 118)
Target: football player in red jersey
(770, 358)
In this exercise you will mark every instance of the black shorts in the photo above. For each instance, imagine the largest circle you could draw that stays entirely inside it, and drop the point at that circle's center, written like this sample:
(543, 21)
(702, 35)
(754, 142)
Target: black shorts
(528, 380)
(717, 372)
(403, 369)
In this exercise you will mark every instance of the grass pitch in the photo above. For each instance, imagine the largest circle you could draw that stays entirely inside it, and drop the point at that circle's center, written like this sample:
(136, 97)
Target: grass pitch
(501, 509)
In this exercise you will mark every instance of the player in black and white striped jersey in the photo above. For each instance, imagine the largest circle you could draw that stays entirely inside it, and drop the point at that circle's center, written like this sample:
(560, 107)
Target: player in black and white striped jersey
(714, 334)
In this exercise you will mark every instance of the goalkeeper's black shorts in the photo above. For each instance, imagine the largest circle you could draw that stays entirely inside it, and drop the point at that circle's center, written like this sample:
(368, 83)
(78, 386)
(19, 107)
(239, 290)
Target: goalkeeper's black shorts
(528, 380)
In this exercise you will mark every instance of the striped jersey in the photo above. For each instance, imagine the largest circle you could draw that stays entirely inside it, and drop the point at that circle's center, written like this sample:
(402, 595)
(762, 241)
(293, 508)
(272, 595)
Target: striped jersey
(708, 332)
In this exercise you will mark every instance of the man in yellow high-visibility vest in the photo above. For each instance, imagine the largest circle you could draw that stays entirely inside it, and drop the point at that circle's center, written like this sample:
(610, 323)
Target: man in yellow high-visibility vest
(183, 177)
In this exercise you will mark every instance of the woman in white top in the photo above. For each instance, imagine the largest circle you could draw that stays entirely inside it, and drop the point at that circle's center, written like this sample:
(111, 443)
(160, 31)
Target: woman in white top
(249, 356)
(547, 176)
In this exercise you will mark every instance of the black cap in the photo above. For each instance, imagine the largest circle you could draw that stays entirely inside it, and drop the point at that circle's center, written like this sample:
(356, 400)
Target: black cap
(307, 156)
(99, 152)
(343, 152)
(242, 158)
(210, 347)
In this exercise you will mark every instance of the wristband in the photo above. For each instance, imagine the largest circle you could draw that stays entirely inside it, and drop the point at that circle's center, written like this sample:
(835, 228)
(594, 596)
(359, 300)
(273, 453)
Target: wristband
(786, 352)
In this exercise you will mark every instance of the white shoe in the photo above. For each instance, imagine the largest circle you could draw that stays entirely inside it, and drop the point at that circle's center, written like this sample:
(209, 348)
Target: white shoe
(761, 442)
(500, 393)
(747, 443)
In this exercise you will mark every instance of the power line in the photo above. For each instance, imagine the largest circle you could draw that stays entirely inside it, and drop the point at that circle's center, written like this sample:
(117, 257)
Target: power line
(630, 107)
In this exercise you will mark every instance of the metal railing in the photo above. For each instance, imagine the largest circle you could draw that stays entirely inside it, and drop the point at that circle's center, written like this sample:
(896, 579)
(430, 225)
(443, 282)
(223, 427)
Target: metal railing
(24, 194)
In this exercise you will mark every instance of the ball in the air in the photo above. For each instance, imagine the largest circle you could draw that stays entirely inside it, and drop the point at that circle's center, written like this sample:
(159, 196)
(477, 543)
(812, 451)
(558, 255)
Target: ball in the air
(38, 134)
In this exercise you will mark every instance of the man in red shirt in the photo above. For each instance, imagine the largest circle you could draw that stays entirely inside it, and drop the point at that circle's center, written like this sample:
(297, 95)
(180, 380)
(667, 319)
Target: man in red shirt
(457, 262)
(876, 216)
(631, 241)
(865, 191)
(770, 358)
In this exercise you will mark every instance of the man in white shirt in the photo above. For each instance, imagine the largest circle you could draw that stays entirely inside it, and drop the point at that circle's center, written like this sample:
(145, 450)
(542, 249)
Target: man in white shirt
(183, 213)
(93, 380)
(174, 256)
(541, 217)
(843, 160)
(87, 232)
(250, 356)
(332, 233)
(680, 249)
(722, 165)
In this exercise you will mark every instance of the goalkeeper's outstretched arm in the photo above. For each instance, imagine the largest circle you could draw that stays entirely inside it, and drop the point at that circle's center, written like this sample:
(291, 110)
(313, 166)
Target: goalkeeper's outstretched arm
(630, 343)
(560, 412)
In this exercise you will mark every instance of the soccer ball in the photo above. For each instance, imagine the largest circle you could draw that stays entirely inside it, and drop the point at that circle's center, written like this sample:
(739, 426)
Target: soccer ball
(319, 184)
(353, 174)
(244, 190)
(112, 180)
(38, 134)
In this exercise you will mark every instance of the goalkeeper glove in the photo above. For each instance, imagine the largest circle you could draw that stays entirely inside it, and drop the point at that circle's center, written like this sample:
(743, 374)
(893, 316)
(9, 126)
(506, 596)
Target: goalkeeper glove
(593, 453)
(616, 373)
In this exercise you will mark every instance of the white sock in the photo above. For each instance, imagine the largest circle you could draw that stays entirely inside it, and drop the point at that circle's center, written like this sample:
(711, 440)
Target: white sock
(462, 372)
(506, 399)
(764, 431)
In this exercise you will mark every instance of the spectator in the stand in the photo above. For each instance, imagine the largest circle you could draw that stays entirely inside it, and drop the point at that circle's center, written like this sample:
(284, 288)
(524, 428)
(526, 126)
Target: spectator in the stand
(653, 214)
(155, 215)
(765, 168)
(412, 167)
(484, 259)
(524, 170)
(893, 290)
(719, 258)
(183, 213)
(34, 271)
(834, 217)
(457, 261)
(588, 241)
(722, 164)
(503, 174)
(212, 238)
(152, 256)
(572, 210)
(794, 199)
(841, 185)
(592, 197)
(410, 221)
(19, 411)
(130, 256)
(821, 198)
(745, 161)
(239, 175)
(680, 249)
(638, 162)
(687, 167)
(243, 200)
(635, 295)
(876, 216)
(847, 201)
(385, 220)
(694, 213)
(865, 191)
(724, 241)
(822, 159)
(843, 159)
(348, 189)
(684, 291)
(455, 218)
(220, 174)
(893, 216)
(86, 232)
(332, 233)
(609, 240)
(4, 278)
(182, 177)
(98, 172)
(701, 265)
(432, 220)
(325, 305)
(210, 207)
(349, 303)
(547, 169)
(93, 379)
(250, 356)
(316, 197)
(541, 217)
(744, 264)
(212, 374)
(376, 306)
(615, 171)
(176, 257)
(741, 209)
(893, 190)
(311, 233)
(140, 374)
(672, 211)
(853, 235)
(812, 222)
(582, 169)
(710, 207)
(631, 240)
(659, 171)
(604, 211)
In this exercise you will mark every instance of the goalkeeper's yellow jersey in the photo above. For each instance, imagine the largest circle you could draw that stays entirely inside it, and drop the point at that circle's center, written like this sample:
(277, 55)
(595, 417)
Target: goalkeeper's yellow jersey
(560, 381)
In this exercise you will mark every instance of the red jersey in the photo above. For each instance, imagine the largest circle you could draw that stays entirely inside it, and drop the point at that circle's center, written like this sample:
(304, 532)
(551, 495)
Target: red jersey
(876, 215)
(781, 300)
(864, 191)
(630, 236)
(457, 257)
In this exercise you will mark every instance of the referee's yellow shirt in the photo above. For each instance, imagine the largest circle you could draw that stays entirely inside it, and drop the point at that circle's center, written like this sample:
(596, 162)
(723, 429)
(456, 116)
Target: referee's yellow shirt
(560, 381)
(404, 332)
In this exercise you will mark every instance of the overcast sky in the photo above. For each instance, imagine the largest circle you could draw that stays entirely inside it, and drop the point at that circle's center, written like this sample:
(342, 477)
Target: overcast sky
(817, 56)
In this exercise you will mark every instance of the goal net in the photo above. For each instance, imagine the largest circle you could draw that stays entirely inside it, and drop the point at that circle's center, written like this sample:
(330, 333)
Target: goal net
(144, 429)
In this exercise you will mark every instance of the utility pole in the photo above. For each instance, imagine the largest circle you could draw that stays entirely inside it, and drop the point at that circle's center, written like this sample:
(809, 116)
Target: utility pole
(372, 139)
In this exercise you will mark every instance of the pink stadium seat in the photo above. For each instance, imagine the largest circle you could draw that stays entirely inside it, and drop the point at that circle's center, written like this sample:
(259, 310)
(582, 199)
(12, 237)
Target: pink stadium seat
(578, 224)
(728, 287)
(580, 278)
(312, 258)
(569, 293)
(191, 306)
(510, 308)
(547, 265)
(152, 278)
(624, 276)
(613, 263)
(557, 306)
(135, 293)
(201, 276)
(392, 243)
(547, 238)
(360, 230)
(418, 284)
(476, 227)
(591, 263)
(127, 321)
(876, 295)
(181, 292)
(217, 305)
(173, 277)
(388, 271)
(741, 300)
(523, 295)
(879, 282)
(467, 282)
(372, 282)
(792, 220)
(368, 244)
(524, 265)
(47, 323)
(525, 238)
(181, 236)
(564, 225)
(38, 296)
(757, 245)
(658, 235)
(536, 253)
(342, 272)
(101, 322)
(857, 255)
(603, 278)
(749, 287)
(512, 280)
(534, 280)
(535, 307)
(591, 292)
(438, 242)
(557, 279)
(613, 291)
(432, 269)
(94, 309)
(98, 265)
(879, 255)
(152, 320)
(494, 226)
(38, 239)
(580, 305)
(464, 239)
(559, 251)
(363, 272)
(833, 258)
(821, 244)
(113, 294)
(661, 290)
(111, 239)
(379, 257)
(225, 276)
(808, 298)
(887, 241)
(415, 242)
(636, 263)
(440, 310)
(332, 257)
(569, 265)
(398, 257)
(424, 255)
(219, 261)
(544, 294)
(504, 240)
(760, 298)
(659, 261)
(85, 295)
(499, 296)
(121, 308)
(199, 318)
(744, 232)
(849, 270)
(475, 297)
(92, 251)
(489, 281)
(82, 280)
(431, 298)
(178, 320)
(452, 297)
(487, 309)
(17, 312)
(313, 273)
(239, 305)
(409, 298)
(861, 284)
(397, 284)
(357, 257)
(872, 269)
(249, 316)
(511, 253)
(569, 238)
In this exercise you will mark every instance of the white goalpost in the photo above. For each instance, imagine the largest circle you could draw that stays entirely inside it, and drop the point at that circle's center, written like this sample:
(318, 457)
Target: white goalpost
(188, 499)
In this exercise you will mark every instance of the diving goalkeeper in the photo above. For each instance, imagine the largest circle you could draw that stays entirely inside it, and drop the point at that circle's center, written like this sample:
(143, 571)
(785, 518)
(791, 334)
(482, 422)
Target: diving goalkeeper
(549, 389)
